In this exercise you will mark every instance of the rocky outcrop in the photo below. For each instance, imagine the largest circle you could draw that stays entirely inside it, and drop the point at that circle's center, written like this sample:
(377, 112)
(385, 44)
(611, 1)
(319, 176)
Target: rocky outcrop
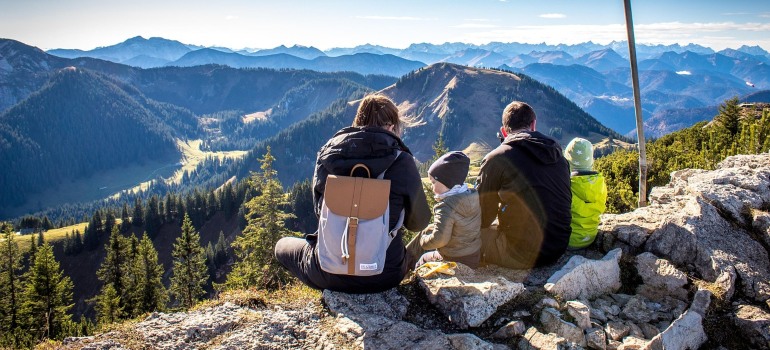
(689, 271)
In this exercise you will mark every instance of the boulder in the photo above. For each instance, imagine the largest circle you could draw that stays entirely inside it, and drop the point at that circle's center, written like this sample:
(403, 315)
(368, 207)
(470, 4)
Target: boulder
(660, 277)
(753, 323)
(468, 298)
(582, 278)
(632, 343)
(701, 221)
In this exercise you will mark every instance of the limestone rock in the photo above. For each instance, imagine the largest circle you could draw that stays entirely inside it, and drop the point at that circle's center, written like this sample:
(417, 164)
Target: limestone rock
(649, 331)
(510, 330)
(637, 310)
(617, 330)
(580, 312)
(753, 323)
(686, 332)
(761, 225)
(552, 323)
(467, 298)
(699, 220)
(582, 278)
(534, 340)
(596, 338)
(466, 341)
(389, 303)
(632, 343)
(660, 278)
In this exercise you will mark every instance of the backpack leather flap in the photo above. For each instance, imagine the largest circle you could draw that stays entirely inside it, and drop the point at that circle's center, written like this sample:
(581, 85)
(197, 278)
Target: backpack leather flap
(358, 197)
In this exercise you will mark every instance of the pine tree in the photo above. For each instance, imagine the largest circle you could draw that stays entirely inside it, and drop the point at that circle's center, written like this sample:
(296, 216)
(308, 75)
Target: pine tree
(729, 116)
(152, 219)
(109, 221)
(125, 219)
(189, 266)
(220, 250)
(138, 218)
(40, 239)
(10, 285)
(256, 264)
(113, 271)
(32, 251)
(47, 295)
(151, 293)
(108, 309)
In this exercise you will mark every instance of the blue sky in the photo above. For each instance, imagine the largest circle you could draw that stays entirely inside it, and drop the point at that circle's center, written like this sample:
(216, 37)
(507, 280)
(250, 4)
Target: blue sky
(86, 24)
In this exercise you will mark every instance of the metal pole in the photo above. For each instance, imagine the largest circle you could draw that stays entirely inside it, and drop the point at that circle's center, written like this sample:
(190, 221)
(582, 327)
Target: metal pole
(637, 106)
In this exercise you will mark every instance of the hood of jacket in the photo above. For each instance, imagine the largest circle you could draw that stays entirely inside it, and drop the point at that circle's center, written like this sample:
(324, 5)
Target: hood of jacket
(372, 146)
(464, 204)
(541, 148)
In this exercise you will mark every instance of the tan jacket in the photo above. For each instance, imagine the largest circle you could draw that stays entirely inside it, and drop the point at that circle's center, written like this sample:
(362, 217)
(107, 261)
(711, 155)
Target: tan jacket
(455, 230)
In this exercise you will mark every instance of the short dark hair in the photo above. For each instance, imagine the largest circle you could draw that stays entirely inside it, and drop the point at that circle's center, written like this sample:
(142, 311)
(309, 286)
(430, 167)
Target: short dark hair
(518, 115)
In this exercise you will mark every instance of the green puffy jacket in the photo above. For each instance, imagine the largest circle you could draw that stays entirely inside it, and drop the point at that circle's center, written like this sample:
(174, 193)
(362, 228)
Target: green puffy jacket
(589, 200)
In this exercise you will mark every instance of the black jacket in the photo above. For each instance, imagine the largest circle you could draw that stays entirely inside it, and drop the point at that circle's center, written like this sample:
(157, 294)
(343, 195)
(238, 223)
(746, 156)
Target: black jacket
(376, 148)
(525, 183)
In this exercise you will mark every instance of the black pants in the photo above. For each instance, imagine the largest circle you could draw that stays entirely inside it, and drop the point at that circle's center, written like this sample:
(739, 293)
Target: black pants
(300, 257)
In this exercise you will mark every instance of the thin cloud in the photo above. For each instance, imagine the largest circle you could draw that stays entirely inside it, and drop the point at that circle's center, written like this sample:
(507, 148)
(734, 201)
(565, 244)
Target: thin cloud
(474, 25)
(396, 18)
(553, 15)
(765, 15)
(230, 18)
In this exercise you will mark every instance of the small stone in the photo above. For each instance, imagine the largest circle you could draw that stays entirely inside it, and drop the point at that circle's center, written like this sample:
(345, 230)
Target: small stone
(663, 325)
(613, 345)
(596, 338)
(552, 322)
(617, 330)
(636, 310)
(510, 330)
(649, 330)
(632, 343)
(701, 301)
(599, 315)
(581, 313)
(635, 330)
(549, 302)
(534, 340)
(621, 299)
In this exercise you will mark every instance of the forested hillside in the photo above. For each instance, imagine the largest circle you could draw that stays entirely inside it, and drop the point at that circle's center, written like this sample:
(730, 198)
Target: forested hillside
(79, 124)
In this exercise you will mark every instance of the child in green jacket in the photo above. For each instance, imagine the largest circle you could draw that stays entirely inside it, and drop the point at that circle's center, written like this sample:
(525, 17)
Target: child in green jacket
(589, 193)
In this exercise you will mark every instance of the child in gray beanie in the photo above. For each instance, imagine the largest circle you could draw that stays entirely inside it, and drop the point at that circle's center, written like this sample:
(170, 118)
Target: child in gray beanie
(454, 234)
(589, 193)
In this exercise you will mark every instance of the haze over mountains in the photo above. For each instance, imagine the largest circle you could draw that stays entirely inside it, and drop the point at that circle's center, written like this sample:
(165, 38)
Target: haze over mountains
(675, 79)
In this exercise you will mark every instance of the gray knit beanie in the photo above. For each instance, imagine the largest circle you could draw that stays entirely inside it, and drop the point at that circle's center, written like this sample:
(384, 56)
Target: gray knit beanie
(450, 169)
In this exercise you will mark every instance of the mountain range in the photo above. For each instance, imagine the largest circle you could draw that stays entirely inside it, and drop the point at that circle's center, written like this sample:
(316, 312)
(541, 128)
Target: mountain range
(62, 118)
(596, 77)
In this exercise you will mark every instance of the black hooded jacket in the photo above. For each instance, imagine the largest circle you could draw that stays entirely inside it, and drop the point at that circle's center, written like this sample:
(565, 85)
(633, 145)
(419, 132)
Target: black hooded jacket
(525, 183)
(376, 148)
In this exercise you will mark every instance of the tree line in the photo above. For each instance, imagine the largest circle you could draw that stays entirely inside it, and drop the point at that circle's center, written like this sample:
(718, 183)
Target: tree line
(734, 130)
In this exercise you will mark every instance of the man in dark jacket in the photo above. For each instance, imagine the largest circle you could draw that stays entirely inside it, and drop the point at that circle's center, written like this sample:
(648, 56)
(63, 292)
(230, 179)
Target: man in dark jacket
(525, 184)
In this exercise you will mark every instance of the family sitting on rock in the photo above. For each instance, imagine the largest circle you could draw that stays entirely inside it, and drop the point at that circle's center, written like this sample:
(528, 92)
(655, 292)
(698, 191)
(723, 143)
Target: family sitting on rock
(531, 202)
